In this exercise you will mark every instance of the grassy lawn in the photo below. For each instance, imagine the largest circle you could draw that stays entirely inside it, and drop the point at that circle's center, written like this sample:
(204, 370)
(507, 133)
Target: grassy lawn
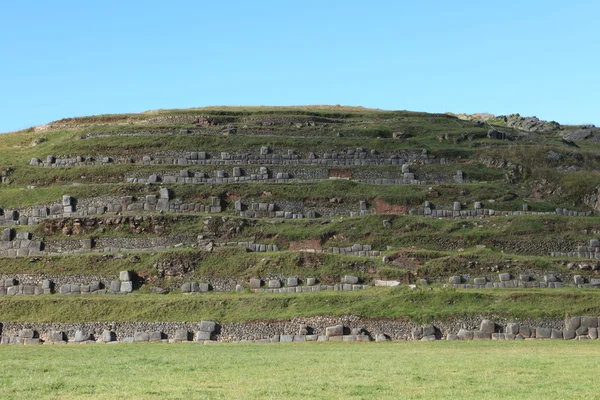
(420, 306)
(484, 370)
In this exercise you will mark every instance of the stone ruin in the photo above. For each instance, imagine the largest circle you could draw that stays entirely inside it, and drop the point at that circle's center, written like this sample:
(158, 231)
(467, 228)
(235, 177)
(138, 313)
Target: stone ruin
(208, 332)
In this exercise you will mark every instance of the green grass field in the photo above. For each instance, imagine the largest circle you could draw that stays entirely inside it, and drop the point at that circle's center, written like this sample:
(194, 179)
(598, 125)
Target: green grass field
(420, 306)
(448, 370)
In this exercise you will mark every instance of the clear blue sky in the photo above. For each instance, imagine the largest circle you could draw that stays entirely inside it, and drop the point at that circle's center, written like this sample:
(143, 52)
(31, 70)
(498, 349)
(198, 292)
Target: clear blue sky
(73, 58)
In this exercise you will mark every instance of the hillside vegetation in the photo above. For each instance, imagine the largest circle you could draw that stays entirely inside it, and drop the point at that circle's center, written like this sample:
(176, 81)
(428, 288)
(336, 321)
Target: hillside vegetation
(178, 196)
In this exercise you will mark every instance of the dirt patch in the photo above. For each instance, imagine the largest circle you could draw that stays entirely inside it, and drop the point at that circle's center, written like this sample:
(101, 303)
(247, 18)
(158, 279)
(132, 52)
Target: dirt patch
(340, 173)
(305, 245)
(404, 261)
(383, 207)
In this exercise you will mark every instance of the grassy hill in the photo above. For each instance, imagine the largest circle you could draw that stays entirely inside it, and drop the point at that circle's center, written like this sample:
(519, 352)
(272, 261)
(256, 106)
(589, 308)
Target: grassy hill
(338, 176)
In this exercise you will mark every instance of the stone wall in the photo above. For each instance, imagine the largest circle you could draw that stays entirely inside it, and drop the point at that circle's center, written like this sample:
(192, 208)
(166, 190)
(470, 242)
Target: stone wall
(265, 156)
(302, 329)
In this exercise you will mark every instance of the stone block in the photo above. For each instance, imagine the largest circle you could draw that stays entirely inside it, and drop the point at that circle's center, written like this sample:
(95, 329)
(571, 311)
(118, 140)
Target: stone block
(107, 336)
(556, 334)
(26, 333)
(124, 276)
(454, 280)
(513, 328)
(569, 334)
(67, 201)
(274, 284)
(590, 322)
(81, 336)
(28, 290)
(186, 287)
(337, 330)
(311, 281)
(525, 331)
(202, 336)
(155, 336)
(593, 333)
(348, 279)
(479, 281)
(115, 286)
(487, 326)
(504, 277)
(286, 338)
(164, 194)
(55, 336)
(255, 283)
(417, 333)
(479, 335)
(543, 333)
(7, 235)
(464, 334)
(292, 282)
(572, 323)
(126, 287)
(141, 337)
(380, 337)
(207, 326)
(582, 330)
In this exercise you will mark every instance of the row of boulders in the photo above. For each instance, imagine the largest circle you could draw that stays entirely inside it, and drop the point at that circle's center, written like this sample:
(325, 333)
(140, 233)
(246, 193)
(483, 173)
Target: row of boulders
(206, 331)
(576, 328)
(10, 287)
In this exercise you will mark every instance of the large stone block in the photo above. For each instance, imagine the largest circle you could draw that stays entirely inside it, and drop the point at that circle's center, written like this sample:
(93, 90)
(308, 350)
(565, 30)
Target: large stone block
(417, 333)
(348, 279)
(107, 336)
(126, 287)
(582, 330)
(115, 286)
(479, 335)
(572, 323)
(255, 283)
(81, 336)
(164, 193)
(556, 334)
(202, 336)
(286, 338)
(464, 334)
(543, 333)
(487, 326)
(428, 330)
(513, 328)
(274, 284)
(337, 330)
(155, 336)
(55, 336)
(26, 333)
(141, 337)
(569, 334)
(590, 322)
(182, 335)
(124, 276)
(292, 282)
(504, 277)
(207, 326)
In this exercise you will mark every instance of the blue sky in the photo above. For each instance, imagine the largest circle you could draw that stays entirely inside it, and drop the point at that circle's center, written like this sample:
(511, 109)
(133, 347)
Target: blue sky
(69, 58)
